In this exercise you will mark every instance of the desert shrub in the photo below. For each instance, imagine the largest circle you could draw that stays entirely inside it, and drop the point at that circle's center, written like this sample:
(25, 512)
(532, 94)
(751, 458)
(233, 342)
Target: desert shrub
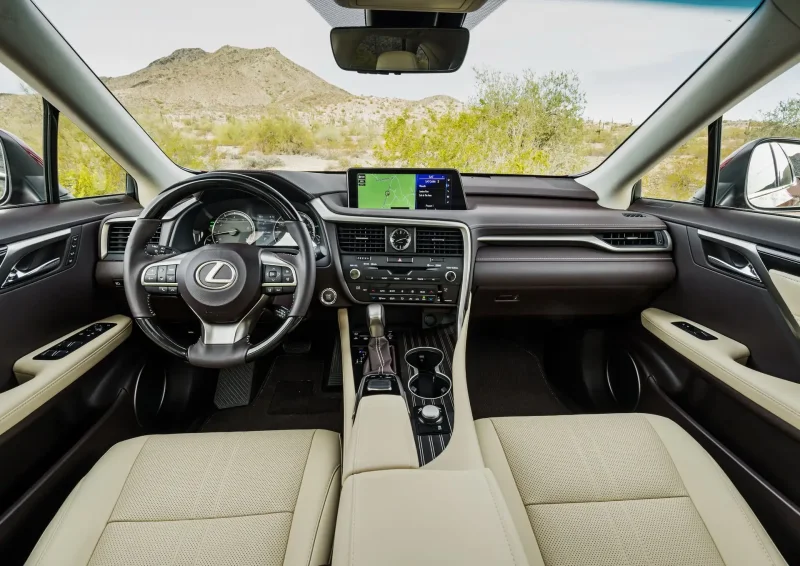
(515, 124)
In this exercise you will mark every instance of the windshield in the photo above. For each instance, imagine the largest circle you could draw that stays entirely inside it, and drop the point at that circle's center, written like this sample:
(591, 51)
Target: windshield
(547, 87)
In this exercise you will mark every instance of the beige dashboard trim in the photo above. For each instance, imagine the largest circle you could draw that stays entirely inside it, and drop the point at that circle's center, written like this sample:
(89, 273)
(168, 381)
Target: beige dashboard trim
(463, 451)
(788, 287)
(41, 380)
(724, 359)
(348, 380)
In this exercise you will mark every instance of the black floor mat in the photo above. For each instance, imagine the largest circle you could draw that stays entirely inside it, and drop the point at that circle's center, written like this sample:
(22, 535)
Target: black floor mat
(292, 396)
(506, 379)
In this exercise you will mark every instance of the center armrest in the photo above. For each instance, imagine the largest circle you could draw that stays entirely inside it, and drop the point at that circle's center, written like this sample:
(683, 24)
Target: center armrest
(382, 438)
(425, 517)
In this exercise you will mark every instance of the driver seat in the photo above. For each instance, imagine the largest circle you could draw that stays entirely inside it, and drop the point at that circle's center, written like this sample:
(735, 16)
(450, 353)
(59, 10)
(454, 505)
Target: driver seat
(267, 497)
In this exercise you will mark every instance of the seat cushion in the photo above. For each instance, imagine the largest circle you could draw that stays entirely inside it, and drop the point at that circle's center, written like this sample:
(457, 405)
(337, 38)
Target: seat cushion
(214, 498)
(619, 489)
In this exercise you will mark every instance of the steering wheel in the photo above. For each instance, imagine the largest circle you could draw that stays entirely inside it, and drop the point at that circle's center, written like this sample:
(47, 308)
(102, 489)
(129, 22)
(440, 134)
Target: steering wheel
(227, 286)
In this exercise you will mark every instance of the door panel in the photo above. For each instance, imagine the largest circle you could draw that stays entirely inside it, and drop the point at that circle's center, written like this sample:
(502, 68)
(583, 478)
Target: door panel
(51, 409)
(738, 276)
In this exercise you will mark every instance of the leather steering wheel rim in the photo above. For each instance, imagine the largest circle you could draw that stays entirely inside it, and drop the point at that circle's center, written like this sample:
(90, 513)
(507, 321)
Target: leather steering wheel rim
(225, 305)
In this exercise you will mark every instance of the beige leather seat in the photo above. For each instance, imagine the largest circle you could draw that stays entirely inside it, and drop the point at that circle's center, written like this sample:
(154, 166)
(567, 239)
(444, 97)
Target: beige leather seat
(619, 489)
(213, 498)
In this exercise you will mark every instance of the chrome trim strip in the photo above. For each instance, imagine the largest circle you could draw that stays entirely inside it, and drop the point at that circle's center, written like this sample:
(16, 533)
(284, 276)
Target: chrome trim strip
(15, 251)
(580, 239)
(104, 232)
(327, 215)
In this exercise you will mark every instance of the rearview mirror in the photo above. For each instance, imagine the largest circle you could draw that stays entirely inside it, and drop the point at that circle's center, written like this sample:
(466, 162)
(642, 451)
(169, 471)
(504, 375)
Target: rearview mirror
(399, 50)
(4, 183)
(773, 174)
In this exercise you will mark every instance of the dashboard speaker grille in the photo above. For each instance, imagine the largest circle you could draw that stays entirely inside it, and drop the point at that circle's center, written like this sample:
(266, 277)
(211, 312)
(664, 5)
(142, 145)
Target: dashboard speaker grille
(118, 233)
(362, 239)
(652, 238)
(440, 242)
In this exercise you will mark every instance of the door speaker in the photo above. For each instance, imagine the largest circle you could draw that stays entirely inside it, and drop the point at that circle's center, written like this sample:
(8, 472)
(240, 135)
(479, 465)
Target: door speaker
(624, 379)
(149, 393)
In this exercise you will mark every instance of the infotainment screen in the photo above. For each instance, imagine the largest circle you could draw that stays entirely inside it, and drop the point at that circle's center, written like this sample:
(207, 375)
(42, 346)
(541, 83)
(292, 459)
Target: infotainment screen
(405, 189)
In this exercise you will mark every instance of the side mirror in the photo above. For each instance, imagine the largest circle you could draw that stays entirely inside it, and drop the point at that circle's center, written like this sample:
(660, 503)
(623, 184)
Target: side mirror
(5, 183)
(399, 50)
(773, 174)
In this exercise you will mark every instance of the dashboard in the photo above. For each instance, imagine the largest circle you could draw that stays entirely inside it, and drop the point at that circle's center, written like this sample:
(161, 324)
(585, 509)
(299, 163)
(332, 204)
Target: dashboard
(521, 246)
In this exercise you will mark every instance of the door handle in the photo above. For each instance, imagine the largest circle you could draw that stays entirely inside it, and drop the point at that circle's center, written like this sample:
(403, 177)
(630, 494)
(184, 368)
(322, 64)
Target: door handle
(16, 275)
(745, 271)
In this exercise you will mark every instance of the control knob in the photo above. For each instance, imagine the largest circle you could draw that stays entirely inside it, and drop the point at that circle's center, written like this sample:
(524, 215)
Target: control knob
(431, 414)
(450, 276)
(355, 273)
(328, 297)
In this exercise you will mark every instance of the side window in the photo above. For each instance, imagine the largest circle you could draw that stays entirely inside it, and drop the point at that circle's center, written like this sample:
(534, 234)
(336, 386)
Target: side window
(84, 169)
(761, 149)
(681, 176)
(21, 121)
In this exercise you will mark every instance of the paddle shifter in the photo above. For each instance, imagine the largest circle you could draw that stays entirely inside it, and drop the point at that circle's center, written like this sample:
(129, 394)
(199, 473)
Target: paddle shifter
(379, 354)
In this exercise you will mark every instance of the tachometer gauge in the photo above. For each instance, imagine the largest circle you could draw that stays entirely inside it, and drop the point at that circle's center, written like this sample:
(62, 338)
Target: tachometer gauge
(279, 231)
(233, 227)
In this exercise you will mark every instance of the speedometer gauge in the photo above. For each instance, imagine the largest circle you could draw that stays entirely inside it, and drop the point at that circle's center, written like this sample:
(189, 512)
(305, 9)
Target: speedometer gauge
(279, 231)
(233, 227)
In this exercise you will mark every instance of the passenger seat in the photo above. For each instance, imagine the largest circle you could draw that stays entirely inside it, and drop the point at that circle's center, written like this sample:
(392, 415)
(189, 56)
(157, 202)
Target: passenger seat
(619, 489)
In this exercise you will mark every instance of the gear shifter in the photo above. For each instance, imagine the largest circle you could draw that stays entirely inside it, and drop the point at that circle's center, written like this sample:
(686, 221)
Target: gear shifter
(379, 354)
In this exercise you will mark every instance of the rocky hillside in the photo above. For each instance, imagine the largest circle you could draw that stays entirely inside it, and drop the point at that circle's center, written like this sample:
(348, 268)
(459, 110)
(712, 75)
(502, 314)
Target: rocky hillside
(248, 83)
(226, 80)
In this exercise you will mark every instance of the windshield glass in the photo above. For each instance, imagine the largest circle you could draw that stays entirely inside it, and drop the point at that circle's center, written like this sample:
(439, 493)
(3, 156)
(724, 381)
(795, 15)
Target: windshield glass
(547, 87)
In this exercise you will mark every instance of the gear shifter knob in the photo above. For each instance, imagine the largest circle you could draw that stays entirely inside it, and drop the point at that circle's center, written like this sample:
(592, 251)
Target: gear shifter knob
(376, 320)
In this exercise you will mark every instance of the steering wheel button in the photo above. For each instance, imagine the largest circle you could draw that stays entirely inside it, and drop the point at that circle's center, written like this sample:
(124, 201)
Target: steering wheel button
(287, 275)
(162, 273)
(151, 275)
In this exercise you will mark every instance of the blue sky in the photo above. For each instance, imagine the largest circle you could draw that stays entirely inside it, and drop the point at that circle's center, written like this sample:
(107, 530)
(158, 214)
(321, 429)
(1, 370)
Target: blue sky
(630, 55)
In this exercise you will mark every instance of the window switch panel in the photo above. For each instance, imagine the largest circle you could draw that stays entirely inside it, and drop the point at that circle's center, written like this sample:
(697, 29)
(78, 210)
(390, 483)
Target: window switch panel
(69, 345)
(694, 331)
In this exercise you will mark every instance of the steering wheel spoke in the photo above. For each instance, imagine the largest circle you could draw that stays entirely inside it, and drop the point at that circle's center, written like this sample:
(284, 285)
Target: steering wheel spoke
(278, 275)
(161, 276)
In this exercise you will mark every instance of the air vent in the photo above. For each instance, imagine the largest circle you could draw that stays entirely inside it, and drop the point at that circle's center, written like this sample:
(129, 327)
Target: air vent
(632, 215)
(362, 239)
(439, 242)
(651, 239)
(118, 233)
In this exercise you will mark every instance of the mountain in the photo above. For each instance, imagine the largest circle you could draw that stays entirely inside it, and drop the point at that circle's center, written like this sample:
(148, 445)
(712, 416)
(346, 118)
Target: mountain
(229, 79)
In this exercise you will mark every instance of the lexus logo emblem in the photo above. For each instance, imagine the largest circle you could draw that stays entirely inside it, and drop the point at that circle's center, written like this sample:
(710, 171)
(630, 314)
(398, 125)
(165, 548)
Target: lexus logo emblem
(215, 275)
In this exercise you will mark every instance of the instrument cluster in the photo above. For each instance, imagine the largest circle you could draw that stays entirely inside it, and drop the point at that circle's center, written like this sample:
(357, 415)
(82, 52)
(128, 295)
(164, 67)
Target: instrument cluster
(245, 221)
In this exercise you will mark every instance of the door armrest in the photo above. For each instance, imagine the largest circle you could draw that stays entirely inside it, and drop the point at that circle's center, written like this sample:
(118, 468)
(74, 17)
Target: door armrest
(724, 359)
(42, 379)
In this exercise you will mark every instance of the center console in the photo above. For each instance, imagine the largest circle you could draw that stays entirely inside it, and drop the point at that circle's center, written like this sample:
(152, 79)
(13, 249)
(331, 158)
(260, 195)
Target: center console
(402, 264)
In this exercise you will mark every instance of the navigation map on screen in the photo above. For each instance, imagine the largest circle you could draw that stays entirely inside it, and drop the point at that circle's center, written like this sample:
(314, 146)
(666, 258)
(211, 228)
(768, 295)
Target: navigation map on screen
(406, 191)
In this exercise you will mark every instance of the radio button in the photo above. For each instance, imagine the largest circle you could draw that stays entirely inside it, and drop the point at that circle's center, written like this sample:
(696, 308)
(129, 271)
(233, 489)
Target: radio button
(355, 273)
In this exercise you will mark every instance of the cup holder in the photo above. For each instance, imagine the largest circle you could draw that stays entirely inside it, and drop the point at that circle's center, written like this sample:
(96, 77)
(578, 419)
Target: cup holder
(429, 385)
(426, 380)
(425, 358)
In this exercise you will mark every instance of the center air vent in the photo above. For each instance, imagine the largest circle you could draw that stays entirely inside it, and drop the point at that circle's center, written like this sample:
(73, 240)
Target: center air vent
(362, 239)
(651, 239)
(118, 234)
(439, 242)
